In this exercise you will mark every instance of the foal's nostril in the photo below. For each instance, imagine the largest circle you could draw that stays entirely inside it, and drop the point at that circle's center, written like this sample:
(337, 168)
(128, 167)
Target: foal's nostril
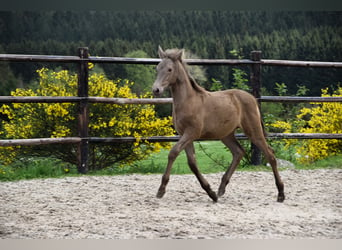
(156, 91)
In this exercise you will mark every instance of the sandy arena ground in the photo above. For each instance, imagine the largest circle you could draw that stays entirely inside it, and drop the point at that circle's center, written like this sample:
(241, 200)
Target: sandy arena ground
(125, 207)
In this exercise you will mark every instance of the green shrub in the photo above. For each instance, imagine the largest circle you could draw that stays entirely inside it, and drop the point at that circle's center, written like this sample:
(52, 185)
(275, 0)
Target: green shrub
(37, 120)
(320, 118)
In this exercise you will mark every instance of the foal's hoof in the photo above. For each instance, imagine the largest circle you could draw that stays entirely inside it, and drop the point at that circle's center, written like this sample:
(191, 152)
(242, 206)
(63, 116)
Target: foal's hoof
(221, 192)
(160, 194)
(213, 196)
(281, 197)
(215, 199)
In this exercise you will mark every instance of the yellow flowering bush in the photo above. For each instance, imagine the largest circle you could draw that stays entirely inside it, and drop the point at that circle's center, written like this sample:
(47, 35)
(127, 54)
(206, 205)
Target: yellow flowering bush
(37, 120)
(321, 118)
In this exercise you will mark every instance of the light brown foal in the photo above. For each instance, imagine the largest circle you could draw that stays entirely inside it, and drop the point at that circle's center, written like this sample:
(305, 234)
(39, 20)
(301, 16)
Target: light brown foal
(198, 113)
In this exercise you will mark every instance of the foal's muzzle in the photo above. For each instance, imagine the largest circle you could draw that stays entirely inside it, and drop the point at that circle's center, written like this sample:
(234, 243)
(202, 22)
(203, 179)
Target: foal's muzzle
(156, 92)
(157, 89)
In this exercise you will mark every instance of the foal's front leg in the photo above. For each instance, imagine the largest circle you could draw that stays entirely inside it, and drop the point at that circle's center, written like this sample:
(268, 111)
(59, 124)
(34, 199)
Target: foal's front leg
(174, 152)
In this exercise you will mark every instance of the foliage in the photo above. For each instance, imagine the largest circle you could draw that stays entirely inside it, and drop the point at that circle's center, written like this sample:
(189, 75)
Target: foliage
(7, 80)
(321, 118)
(215, 85)
(36, 167)
(213, 158)
(276, 119)
(240, 79)
(197, 72)
(291, 35)
(281, 89)
(36, 120)
(142, 75)
(283, 111)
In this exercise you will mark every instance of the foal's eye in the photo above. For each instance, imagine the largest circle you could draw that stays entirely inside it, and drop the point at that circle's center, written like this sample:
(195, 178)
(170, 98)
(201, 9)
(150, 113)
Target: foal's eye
(169, 70)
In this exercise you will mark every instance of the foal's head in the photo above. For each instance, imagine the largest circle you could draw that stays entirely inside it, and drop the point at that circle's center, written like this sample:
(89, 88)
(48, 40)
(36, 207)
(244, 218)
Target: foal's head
(167, 70)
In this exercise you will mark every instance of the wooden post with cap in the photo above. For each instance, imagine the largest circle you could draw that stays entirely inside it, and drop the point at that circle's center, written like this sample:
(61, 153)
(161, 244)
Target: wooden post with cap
(255, 80)
(83, 112)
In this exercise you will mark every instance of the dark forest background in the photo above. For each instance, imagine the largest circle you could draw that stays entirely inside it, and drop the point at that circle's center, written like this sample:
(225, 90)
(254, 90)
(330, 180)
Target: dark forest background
(208, 34)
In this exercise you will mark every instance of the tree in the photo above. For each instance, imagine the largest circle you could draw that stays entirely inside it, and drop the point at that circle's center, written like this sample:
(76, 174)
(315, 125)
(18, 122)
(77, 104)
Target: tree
(142, 75)
(35, 120)
(209, 34)
(197, 72)
(8, 81)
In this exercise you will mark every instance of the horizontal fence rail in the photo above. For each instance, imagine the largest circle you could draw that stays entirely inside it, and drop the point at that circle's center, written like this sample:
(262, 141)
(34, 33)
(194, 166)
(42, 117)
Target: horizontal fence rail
(296, 99)
(239, 136)
(154, 61)
(118, 140)
(39, 141)
(311, 64)
(39, 58)
(83, 100)
(122, 60)
(93, 99)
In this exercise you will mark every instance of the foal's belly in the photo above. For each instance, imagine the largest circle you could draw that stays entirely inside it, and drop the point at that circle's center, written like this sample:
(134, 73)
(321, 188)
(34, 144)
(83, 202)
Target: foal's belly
(221, 118)
(218, 128)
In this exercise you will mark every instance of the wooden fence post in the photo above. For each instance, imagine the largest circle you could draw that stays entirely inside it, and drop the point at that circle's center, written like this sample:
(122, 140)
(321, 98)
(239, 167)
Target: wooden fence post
(255, 79)
(83, 112)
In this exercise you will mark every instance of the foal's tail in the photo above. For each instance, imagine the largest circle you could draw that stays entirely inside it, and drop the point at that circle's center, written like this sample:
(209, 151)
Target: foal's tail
(263, 127)
(262, 123)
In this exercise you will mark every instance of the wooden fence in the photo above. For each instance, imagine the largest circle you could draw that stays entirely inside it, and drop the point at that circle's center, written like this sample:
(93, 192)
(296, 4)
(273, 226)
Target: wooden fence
(83, 100)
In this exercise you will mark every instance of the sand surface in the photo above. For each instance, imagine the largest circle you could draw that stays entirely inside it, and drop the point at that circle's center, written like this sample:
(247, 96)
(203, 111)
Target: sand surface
(125, 207)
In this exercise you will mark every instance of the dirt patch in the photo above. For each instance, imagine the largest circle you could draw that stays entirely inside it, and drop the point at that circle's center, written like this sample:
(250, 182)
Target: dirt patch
(125, 207)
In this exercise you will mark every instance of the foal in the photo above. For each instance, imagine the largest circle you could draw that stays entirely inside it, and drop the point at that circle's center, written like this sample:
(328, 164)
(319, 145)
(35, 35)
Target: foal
(198, 113)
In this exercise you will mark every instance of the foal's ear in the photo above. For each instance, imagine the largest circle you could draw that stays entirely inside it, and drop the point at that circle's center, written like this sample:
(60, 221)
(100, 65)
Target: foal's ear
(180, 55)
(161, 52)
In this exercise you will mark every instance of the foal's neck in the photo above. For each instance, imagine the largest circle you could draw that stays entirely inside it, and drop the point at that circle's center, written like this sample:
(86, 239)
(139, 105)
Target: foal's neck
(182, 90)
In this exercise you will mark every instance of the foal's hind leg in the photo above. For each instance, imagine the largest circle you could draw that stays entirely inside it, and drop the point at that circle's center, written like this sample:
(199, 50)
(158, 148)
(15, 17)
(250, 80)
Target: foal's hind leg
(260, 142)
(238, 153)
(190, 153)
